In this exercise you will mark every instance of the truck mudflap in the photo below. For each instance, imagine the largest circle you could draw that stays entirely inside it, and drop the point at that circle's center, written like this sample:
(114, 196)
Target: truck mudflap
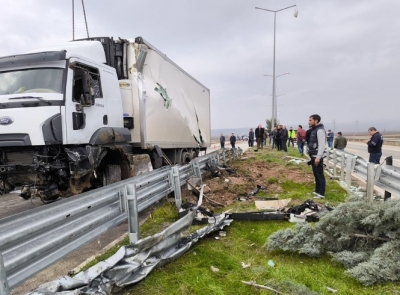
(84, 160)
(108, 135)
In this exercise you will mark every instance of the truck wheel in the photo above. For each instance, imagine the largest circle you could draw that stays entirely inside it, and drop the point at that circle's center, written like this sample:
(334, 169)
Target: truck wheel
(186, 156)
(112, 174)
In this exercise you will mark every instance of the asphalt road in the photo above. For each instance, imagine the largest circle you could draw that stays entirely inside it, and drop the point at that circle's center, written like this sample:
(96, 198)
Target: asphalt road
(360, 149)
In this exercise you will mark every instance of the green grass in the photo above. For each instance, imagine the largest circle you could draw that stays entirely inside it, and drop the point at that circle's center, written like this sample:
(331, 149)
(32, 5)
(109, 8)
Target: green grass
(244, 242)
(192, 273)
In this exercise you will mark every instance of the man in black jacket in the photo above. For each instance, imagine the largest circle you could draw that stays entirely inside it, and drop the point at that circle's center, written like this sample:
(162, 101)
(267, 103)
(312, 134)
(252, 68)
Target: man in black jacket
(284, 138)
(316, 141)
(251, 137)
(374, 145)
(259, 136)
(232, 140)
(278, 140)
(222, 141)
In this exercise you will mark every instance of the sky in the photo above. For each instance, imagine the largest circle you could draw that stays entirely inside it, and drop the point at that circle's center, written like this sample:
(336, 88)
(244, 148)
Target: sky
(342, 56)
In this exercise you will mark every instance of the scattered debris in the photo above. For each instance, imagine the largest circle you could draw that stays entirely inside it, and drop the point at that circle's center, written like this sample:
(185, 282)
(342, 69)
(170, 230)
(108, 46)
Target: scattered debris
(271, 263)
(298, 161)
(331, 290)
(244, 265)
(222, 233)
(251, 283)
(273, 204)
(256, 190)
(308, 211)
(297, 218)
(258, 216)
(214, 269)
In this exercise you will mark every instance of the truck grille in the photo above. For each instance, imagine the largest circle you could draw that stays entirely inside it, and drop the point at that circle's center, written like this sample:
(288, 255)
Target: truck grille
(24, 158)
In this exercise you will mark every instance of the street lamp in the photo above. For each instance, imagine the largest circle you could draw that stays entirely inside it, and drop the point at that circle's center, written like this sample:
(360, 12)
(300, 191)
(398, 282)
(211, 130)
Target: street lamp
(278, 75)
(273, 75)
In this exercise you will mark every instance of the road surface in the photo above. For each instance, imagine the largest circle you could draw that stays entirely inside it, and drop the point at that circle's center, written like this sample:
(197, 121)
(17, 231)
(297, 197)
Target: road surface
(361, 149)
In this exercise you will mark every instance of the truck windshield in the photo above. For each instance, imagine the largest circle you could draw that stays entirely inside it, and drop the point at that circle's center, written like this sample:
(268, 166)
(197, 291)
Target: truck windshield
(31, 81)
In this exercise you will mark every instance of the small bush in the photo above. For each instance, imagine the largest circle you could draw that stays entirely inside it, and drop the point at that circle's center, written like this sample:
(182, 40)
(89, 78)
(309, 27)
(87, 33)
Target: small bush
(272, 180)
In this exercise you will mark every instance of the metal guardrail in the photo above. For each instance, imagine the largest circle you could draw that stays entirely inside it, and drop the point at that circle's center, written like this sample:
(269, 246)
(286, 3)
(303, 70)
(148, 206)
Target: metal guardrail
(33, 240)
(386, 177)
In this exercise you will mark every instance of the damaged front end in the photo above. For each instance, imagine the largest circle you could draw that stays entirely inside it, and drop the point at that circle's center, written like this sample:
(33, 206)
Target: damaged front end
(46, 171)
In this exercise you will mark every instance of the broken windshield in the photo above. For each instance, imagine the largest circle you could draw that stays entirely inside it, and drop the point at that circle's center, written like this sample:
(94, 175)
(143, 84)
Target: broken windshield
(43, 80)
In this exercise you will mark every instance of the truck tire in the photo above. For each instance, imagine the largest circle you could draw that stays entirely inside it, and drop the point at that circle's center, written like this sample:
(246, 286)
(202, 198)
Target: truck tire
(186, 156)
(112, 174)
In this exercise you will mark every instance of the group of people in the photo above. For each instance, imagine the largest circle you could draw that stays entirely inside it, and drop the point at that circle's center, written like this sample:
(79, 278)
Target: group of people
(316, 139)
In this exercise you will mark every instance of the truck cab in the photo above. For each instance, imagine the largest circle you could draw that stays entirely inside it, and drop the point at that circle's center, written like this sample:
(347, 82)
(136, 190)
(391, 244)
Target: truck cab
(58, 107)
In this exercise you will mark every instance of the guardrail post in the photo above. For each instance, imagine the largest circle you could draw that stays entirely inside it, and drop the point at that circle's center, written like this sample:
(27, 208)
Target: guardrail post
(133, 212)
(389, 162)
(342, 167)
(327, 159)
(349, 164)
(334, 163)
(4, 289)
(196, 169)
(370, 181)
(177, 186)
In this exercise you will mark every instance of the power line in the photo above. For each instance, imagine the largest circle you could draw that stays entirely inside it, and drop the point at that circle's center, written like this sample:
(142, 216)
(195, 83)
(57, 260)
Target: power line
(84, 14)
(73, 21)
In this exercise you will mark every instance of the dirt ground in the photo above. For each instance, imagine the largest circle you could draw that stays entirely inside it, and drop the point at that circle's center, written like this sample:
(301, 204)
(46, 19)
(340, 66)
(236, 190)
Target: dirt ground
(226, 188)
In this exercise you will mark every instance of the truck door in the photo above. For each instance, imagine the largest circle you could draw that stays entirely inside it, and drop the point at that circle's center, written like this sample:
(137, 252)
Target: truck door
(85, 106)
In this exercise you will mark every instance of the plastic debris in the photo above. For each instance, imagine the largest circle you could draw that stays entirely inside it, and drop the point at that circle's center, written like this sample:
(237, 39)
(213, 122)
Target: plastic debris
(244, 265)
(271, 263)
(214, 269)
(331, 290)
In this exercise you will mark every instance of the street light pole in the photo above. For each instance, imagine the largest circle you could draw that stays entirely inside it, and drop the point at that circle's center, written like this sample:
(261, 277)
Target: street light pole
(274, 101)
(274, 109)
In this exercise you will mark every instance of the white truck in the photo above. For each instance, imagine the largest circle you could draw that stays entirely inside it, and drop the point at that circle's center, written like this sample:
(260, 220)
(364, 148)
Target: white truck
(87, 113)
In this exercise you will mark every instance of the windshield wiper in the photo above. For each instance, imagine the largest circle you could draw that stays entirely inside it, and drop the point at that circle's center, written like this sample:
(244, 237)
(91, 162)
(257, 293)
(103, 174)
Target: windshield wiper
(36, 97)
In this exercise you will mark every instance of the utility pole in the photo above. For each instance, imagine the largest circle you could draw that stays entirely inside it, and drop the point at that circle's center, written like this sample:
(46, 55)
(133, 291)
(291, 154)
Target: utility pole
(334, 126)
(357, 127)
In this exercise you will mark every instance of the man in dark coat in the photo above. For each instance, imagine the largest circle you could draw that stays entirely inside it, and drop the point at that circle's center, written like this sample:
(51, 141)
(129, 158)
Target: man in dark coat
(259, 136)
(278, 140)
(374, 145)
(284, 138)
(251, 137)
(232, 140)
(222, 141)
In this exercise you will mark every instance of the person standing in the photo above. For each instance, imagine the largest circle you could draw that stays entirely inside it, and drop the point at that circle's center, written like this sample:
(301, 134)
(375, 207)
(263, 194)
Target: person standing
(265, 136)
(259, 136)
(329, 138)
(251, 137)
(291, 136)
(284, 138)
(300, 139)
(316, 148)
(222, 140)
(278, 141)
(374, 145)
(232, 140)
(274, 137)
(340, 142)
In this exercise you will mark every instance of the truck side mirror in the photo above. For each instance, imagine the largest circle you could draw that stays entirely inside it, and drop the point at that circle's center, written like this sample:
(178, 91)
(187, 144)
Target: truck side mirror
(87, 97)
